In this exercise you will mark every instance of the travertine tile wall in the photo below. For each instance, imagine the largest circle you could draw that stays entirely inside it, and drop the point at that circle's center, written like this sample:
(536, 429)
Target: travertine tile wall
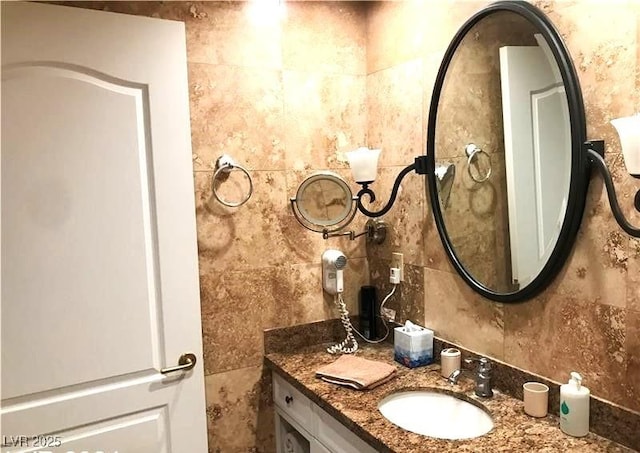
(589, 319)
(284, 111)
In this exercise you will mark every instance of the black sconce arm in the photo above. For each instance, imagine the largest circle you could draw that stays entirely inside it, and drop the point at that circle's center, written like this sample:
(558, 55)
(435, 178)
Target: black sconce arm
(419, 165)
(595, 158)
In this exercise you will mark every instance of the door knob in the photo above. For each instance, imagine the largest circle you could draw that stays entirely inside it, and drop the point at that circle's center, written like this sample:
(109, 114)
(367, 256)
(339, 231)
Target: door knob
(186, 362)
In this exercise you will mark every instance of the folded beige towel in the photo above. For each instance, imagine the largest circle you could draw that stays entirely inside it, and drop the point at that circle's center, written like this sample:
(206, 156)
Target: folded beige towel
(356, 372)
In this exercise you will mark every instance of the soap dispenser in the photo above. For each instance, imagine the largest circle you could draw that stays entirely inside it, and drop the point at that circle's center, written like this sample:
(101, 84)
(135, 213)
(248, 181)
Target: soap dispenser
(574, 407)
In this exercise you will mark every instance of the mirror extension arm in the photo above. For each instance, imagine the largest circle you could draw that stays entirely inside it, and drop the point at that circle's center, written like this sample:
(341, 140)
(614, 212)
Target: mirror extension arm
(420, 166)
(595, 158)
(376, 231)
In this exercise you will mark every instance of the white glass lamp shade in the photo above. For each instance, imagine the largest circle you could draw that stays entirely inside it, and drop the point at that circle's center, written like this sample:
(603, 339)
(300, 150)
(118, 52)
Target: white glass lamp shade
(364, 164)
(629, 131)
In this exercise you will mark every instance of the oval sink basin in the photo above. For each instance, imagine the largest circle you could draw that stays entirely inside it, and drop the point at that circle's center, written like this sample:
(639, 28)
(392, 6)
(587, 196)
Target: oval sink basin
(435, 414)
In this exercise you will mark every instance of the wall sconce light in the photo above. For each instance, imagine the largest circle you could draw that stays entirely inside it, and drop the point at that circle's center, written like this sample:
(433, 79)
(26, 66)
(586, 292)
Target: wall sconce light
(629, 131)
(364, 167)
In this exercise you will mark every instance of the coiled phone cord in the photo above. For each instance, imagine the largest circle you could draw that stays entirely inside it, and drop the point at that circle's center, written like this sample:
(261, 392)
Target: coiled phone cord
(341, 348)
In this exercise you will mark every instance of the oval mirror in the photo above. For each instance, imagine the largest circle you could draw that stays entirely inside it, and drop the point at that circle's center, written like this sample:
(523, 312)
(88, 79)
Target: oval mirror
(324, 202)
(507, 118)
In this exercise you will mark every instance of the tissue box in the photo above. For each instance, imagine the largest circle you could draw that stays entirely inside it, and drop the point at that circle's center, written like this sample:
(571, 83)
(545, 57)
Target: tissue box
(413, 346)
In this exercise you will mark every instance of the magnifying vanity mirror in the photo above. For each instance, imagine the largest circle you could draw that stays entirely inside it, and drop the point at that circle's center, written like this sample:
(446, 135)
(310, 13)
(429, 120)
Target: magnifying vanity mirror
(325, 204)
(324, 201)
(507, 114)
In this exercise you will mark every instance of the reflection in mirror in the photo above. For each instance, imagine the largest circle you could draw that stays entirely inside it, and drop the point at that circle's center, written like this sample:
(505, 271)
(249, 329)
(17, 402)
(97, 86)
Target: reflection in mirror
(323, 203)
(503, 92)
(324, 200)
(445, 175)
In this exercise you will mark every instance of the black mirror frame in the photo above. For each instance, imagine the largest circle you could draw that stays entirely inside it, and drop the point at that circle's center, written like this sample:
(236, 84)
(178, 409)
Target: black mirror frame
(579, 164)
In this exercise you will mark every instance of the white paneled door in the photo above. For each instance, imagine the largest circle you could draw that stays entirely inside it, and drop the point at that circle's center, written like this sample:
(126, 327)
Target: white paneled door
(99, 258)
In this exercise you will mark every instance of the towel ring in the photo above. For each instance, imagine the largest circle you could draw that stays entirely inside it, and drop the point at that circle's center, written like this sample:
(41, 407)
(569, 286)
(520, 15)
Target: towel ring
(225, 165)
(474, 152)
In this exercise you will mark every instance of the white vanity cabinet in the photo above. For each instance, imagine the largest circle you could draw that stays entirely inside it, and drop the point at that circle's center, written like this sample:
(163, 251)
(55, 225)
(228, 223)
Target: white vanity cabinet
(315, 431)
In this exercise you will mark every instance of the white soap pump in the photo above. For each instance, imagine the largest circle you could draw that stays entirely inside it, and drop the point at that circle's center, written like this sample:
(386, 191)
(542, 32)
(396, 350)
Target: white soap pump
(574, 407)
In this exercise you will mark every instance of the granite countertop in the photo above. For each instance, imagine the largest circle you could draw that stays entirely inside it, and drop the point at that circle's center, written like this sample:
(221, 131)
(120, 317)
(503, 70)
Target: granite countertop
(513, 430)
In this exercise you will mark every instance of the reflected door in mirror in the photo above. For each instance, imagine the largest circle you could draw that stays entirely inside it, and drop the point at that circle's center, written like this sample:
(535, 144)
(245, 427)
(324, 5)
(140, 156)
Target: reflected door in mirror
(537, 135)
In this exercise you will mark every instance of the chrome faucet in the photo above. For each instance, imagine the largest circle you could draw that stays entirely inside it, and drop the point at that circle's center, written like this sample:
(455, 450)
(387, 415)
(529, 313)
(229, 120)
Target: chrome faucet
(482, 377)
(454, 376)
